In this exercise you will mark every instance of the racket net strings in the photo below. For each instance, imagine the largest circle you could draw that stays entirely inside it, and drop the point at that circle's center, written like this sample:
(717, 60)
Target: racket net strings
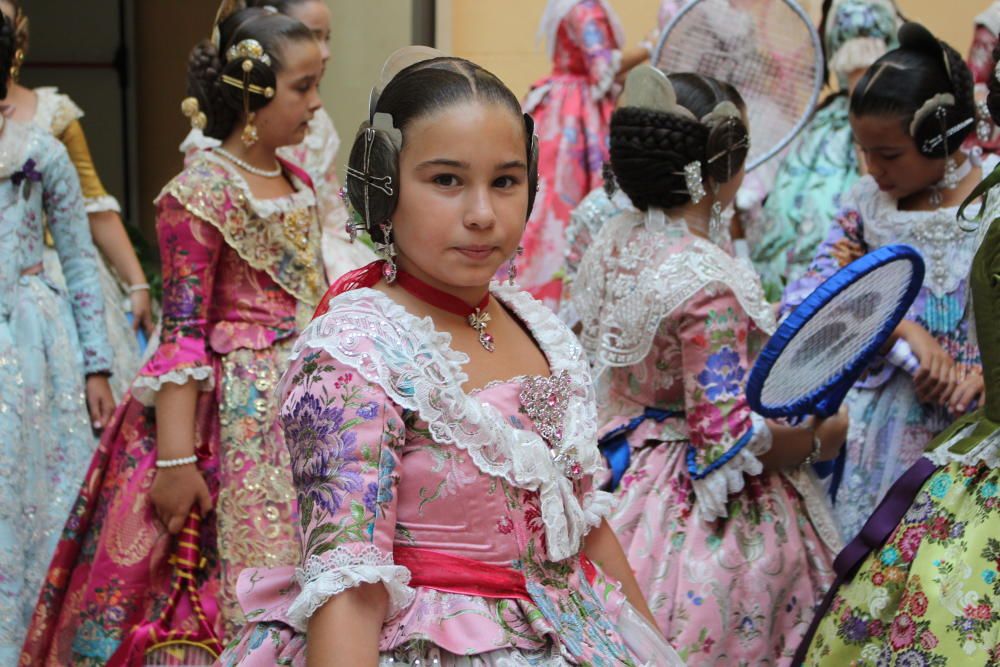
(768, 50)
(837, 335)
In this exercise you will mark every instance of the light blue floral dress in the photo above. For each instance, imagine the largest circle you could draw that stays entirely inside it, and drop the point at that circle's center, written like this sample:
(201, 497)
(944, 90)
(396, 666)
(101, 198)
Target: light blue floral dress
(822, 164)
(49, 340)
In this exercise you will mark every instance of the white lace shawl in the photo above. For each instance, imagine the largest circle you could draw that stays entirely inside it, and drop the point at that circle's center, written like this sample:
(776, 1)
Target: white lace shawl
(947, 249)
(987, 451)
(631, 279)
(417, 368)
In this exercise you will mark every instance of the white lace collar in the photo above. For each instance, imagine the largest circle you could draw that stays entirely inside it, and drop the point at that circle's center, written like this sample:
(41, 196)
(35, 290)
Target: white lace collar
(631, 279)
(15, 145)
(419, 370)
(54, 111)
(303, 196)
(946, 248)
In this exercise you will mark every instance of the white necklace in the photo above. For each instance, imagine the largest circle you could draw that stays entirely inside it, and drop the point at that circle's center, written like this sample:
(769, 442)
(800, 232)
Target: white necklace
(246, 166)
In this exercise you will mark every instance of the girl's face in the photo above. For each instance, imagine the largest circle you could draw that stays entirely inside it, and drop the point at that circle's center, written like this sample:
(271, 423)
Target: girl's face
(463, 194)
(284, 121)
(892, 158)
(315, 15)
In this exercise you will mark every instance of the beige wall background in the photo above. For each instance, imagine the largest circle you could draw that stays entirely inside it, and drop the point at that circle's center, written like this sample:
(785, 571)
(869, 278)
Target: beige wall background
(501, 35)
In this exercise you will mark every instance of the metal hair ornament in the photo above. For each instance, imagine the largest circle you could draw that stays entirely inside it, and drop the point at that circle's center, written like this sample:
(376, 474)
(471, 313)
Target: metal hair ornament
(250, 50)
(383, 122)
(192, 111)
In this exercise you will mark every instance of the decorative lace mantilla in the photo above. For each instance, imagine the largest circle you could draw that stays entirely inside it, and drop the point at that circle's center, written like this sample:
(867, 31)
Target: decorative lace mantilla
(320, 578)
(54, 111)
(947, 250)
(417, 368)
(630, 280)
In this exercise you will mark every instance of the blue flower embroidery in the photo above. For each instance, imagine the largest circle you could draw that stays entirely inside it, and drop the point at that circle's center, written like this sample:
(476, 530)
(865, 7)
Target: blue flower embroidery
(368, 411)
(890, 555)
(988, 490)
(723, 375)
(940, 485)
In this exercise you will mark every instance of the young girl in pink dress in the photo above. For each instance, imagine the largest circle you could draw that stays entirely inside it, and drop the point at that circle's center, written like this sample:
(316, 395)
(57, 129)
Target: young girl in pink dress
(241, 270)
(571, 107)
(729, 536)
(442, 428)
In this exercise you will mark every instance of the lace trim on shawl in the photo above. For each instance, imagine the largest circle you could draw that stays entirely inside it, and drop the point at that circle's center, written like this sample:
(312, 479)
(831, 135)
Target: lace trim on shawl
(416, 367)
(55, 111)
(597, 506)
(625, 287)
(145, 387)
(715, 487)
(946, 249)
(255, 228)
(987, 451)
(16, 143)
(101, 204)
(321, 578)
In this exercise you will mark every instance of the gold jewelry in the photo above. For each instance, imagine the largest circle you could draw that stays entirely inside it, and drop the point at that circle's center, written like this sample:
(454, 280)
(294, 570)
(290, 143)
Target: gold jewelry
(15, 65)
(192, 111)
(248, 48)
(250, 136)
(267, 92)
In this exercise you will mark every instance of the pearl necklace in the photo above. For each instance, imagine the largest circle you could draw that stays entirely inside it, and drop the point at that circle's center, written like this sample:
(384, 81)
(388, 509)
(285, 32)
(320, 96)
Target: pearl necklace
(246, 166)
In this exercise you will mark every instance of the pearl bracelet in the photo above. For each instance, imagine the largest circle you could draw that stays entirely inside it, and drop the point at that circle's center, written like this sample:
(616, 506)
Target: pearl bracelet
(139, 287)
(173, 463)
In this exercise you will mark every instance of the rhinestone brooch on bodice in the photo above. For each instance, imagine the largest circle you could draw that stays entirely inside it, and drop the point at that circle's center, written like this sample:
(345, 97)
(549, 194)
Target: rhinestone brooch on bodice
(545, 400)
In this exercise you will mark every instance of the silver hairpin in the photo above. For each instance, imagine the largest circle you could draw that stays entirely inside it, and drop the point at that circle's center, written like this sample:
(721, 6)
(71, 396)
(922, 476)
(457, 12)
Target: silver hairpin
(692, 178)
(382, 183)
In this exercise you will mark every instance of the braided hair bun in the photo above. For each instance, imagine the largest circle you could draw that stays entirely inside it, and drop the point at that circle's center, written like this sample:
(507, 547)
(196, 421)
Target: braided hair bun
(651, 148)
(221, 102)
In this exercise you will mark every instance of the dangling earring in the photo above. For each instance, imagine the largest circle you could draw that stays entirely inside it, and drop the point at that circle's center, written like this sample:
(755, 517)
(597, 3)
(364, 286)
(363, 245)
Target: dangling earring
(718, 230)
(249, 135)
(387, 251)
(15, 66)
(512, 267)
(951, 178)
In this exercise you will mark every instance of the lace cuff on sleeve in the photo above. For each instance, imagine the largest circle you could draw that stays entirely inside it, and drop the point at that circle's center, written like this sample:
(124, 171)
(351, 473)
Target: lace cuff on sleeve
(597, 505)
(145, 387)
(320, 578)
(714, 489)
(101, 204)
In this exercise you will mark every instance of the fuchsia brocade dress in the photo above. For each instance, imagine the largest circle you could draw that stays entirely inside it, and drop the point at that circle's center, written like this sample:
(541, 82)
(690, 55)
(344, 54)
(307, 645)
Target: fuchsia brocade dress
(572, 111)
(451, 499)
(732, 559)
(239, 274)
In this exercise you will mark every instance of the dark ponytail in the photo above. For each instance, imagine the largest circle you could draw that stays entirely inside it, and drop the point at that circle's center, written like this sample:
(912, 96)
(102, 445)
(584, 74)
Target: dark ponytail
(223, 103)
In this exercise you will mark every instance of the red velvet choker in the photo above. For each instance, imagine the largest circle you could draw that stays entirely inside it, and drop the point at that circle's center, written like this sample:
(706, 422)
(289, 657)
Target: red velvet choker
(476, 316)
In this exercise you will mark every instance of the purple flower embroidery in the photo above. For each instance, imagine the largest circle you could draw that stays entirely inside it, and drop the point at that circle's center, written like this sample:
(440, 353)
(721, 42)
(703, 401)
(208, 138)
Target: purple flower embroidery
(308, 424)
(723, 375)
(325, 462)
(368, 411)
(371, 497)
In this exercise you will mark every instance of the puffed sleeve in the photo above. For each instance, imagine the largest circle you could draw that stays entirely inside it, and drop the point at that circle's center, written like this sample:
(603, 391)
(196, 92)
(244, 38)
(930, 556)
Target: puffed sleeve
(95, 197)
(345, 437)
(590, 29)
(189, 253)
(67, 220)
(725, 437)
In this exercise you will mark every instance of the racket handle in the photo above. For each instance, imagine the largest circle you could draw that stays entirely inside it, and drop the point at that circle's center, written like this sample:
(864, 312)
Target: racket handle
(901, 355)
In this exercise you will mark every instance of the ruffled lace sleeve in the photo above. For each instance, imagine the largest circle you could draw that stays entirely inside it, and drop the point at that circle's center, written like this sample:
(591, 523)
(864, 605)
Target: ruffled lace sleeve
(725, 437)
(590, 29)
(189, 251)
(345, 437)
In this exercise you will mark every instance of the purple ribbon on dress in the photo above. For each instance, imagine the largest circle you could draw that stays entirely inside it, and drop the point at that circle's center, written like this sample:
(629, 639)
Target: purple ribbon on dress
(875, 533)
(27, 172)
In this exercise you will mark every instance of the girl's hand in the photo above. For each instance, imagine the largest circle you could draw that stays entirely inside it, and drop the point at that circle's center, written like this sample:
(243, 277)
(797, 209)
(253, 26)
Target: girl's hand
(142, 311)
(846, 251)
(100, 402)
(970, 390)
(936, 378)
(175, 491)
(832, 434)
